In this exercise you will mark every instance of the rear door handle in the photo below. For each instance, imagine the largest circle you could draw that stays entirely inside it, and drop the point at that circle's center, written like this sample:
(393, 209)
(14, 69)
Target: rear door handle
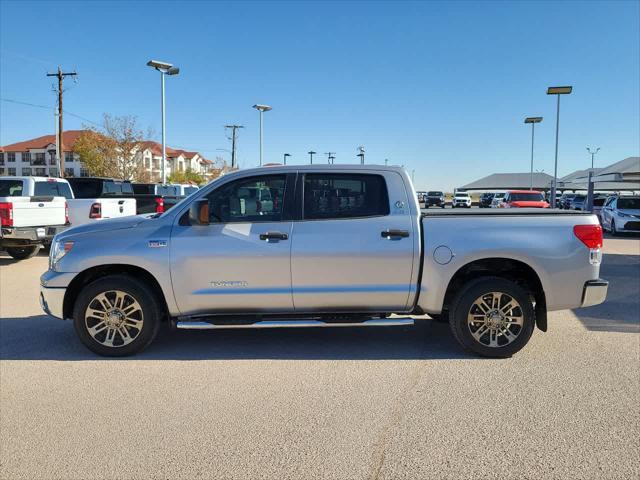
(274, 236)
(389, 233)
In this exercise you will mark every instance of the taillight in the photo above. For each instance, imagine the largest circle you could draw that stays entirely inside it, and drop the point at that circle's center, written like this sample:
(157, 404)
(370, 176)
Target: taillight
(159, 205)
(6, 214)
(95, 211)
(590, 235)
(66, 213)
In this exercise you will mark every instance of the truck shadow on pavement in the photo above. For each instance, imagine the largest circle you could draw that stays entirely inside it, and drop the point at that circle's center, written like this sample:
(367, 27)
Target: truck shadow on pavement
(621, 310)
(44, 338)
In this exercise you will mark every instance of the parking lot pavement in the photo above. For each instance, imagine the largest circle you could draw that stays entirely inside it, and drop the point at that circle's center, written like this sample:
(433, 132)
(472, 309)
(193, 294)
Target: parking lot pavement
(345, 403)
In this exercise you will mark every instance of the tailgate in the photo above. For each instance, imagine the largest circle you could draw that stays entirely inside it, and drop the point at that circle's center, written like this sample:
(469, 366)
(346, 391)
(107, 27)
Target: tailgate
(38, 211)
(117, 207)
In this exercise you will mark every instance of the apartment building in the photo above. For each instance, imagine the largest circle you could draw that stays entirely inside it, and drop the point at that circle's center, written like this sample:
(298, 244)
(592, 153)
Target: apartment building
(38, 157)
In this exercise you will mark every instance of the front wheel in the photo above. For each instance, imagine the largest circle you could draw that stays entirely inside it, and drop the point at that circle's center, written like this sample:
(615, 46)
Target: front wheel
(22, 253)
(116, 316)
(492, 317)
(614, 232)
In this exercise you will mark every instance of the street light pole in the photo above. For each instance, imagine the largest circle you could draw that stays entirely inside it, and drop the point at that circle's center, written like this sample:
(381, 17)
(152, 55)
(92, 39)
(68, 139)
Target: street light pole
(165, 69)
(593, 154)
(532, 121)
(285, 158)
(261, 109)
(557, 91)
(311, 153)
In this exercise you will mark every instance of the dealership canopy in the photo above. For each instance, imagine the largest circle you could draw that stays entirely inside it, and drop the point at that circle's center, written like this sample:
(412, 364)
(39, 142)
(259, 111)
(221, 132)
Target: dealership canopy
(511, 181)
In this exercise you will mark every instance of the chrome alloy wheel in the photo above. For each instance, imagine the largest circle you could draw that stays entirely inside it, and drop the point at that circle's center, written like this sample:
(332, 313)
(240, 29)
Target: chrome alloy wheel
(114, 318)
(495, 319)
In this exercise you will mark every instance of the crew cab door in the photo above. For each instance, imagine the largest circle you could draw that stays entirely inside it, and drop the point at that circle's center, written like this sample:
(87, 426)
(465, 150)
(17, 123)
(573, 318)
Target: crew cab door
(353, 246)
(240, 262)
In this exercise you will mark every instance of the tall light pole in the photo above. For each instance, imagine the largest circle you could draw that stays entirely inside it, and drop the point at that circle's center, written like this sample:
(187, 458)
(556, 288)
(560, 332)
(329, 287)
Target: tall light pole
(261, 109)
(330, 157)
(285, 158)
(557, 91)
(532, 121)
(386, 162)
(361, 154)
(311, 154)
(593, 154)
(165, 69)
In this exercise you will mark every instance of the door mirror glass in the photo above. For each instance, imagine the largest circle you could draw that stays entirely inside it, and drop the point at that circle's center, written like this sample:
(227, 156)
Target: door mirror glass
(199, 212)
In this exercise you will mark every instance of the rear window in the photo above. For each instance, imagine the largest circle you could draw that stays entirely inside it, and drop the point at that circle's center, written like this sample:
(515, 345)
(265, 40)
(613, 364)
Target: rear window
(167, 190)
(117, 188)
(526, 197)
(10, 188)
(629, 203)
(52, 189)
(346, 195)
(143, 188)
(86, 188)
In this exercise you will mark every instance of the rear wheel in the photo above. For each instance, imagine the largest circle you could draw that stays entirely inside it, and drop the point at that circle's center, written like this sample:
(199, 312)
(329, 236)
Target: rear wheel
(614, 232)
(22, 253)
(492, 317)
(116, 316)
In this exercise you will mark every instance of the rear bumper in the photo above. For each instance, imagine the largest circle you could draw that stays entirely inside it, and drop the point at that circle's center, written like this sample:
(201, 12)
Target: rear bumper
(594, 293)
(20, 236)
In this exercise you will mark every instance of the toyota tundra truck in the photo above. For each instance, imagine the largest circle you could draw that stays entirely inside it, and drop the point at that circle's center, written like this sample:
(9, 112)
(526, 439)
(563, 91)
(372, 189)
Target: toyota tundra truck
(322, 246)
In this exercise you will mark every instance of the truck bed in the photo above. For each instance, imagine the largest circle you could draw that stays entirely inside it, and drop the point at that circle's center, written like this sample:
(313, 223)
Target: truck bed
(491, 212)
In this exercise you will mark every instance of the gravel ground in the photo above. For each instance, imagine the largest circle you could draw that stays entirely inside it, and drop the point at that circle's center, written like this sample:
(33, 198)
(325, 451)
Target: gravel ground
(339, 404)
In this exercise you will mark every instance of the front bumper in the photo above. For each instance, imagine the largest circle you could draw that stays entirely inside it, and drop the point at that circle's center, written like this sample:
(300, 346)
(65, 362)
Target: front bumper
(52, 300)
(595, 292)
(20, 236)
(632, 225)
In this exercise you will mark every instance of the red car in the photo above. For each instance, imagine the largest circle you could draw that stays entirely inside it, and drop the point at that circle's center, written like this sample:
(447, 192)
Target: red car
(524, 199)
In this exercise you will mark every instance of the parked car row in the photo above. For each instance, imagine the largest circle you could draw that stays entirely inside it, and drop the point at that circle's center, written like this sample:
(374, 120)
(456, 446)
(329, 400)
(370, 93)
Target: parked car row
(514, 199)
(34, 209)
(620, 214)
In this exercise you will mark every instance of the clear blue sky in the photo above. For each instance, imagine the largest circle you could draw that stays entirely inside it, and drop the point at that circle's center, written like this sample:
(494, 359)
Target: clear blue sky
(442, 88)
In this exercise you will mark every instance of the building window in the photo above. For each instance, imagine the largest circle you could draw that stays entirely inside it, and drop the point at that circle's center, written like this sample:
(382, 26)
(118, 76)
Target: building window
(68, 157)
(26, 172)
(84, 172)
(41, 172)
(68, 172)
(26, 157)
(52, 158)
(53, 172)
(11, 171)
(11, 156)
(39, 159)
(1, 158)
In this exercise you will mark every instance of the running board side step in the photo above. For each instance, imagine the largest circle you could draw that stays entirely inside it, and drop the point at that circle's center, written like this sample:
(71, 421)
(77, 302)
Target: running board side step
(384, 322)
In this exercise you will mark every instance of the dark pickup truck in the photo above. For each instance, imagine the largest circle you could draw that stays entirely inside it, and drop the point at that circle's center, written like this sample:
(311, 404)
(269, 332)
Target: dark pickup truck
(99, 187)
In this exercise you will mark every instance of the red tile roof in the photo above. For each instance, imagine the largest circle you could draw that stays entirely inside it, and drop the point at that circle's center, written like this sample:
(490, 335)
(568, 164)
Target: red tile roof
(69, 138)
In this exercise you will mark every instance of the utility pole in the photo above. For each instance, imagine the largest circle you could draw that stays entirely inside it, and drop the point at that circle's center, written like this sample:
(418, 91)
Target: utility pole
(60, 74)
(330, 157)
(233, 143)
(311, 154)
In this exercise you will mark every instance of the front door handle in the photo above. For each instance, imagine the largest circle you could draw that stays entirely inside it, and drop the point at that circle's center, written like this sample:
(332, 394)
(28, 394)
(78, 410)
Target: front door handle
(389, 233)
(274, 236)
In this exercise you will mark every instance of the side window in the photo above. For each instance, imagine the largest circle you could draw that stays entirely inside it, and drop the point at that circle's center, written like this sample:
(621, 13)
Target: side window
(344, 195)
(255, 199)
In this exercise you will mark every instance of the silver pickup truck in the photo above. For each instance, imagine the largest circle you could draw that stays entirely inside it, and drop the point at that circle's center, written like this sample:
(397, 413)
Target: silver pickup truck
(321, 246)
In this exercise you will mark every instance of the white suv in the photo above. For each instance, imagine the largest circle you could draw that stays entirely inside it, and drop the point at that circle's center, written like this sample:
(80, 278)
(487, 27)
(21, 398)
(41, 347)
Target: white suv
(462, 199)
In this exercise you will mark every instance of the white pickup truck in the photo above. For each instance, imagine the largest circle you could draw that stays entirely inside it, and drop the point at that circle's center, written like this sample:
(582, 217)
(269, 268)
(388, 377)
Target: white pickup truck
(29, 218)
(328, 246)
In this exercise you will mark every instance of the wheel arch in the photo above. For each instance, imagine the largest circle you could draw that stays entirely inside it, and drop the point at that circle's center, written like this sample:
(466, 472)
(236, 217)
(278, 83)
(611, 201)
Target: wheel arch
(91, 274)
(510, 269)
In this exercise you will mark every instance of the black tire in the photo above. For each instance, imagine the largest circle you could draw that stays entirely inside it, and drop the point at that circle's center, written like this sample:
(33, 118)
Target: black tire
(22, 253)
(614, 232)
(442, 206)
(134, 289)
(461, 308)
(440, 317)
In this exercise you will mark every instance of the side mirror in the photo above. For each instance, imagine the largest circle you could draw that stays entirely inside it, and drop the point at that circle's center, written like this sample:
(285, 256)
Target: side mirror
(199, 212)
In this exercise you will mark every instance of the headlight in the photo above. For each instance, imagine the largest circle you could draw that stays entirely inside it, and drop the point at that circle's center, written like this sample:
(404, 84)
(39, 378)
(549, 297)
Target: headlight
(623, 214)
(58, 250)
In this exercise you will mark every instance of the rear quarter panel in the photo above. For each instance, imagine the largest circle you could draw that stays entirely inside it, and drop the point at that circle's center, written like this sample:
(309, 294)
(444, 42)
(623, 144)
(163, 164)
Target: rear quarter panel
(544, 242)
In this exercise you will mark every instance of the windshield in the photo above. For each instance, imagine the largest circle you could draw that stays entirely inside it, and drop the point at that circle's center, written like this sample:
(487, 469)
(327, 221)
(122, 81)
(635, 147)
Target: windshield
(10, 188)
(434, 194)
(632, 203)
(117, 187)
(463, 195)
(526, 197)
(499, 195)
